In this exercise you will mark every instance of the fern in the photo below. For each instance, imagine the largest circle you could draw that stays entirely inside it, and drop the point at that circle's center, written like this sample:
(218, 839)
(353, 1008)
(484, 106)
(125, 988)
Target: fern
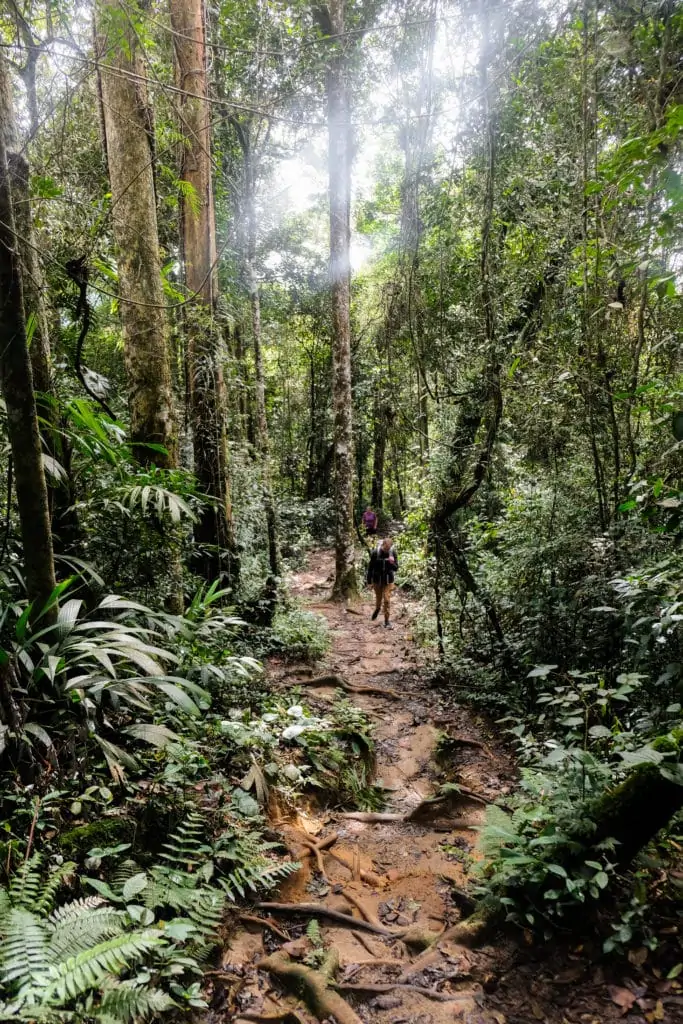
(77, 933)
(26, 885)
(187, 848)
(498, 831)
(255, 877)
(24, 947)
(86, 971)
(127, 1001)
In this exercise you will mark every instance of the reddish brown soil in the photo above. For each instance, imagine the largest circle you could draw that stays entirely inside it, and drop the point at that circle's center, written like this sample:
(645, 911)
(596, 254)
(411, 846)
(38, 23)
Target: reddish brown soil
(419, 863)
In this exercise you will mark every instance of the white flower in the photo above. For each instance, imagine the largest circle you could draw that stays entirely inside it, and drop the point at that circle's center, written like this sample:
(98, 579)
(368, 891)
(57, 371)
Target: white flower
(296, 711)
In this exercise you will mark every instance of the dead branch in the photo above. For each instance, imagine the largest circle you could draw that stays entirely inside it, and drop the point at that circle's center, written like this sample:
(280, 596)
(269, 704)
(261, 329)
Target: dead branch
(323, 1000)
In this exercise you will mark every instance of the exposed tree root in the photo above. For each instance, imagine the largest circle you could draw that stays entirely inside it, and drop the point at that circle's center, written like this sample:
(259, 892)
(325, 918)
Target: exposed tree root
(365, 943)
(369, 877)
(315, 850)
(341, 683)
(470, 933)
(285, 1017)
(318, 910)
(423, 809)
(366, 913)
(442, 997)
(266, 922)
(311, 845)
(372, 816)
(314, 986)
(377, 962)
(415, 935)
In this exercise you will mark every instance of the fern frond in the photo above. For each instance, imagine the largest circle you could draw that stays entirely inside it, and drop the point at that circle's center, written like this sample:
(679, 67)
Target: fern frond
(125, 1002)
(51, 886)
(187, 847)
(27, 883)
(497, 832)
(89, 969)
(255, 877)
(206, 911)
(70, 911)
(122, 872)
(24, 947)
(79, 933)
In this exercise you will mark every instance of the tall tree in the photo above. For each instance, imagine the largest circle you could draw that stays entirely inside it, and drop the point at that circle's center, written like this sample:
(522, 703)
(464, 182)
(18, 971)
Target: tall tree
(214, 531)
(332, 23)
(22, 422)
(248, 145)
(129, 130)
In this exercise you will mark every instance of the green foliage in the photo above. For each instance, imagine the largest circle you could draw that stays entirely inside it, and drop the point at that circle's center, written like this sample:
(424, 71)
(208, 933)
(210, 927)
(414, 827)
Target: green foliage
(300, 635)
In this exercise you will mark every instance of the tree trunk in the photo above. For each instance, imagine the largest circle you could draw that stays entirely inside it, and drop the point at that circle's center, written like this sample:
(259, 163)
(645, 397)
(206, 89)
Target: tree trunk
(214, 531)
(339, 167)
(22, 422)
(379, 452)
(262, 437)
(128, 127)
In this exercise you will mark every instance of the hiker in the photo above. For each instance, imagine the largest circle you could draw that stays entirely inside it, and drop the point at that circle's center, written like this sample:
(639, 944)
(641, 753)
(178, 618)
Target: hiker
(381, 572)
(370, 522)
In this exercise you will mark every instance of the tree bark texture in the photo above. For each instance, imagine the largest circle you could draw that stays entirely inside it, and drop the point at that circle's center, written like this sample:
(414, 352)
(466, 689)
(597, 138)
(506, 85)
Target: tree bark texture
(214, 531)
(339, 167)
(262, 435)
(22, 422)
(128, 129)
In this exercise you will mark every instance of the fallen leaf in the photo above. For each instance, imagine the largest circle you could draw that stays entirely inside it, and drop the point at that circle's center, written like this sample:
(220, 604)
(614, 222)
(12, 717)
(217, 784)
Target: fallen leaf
(537, 1010)
(622, 997)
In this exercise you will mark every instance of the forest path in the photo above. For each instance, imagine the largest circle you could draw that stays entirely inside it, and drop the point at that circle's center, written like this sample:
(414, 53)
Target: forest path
(413, 866)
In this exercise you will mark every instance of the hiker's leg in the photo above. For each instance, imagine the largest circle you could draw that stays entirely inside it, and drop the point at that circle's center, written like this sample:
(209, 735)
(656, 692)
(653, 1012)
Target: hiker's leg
(387, 600)
(377, 587)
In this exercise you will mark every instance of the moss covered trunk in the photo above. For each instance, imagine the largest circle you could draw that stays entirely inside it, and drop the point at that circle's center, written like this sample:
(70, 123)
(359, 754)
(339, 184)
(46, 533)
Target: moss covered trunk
(129, 138)
(16, 381)
(214, 531)
(339, 170)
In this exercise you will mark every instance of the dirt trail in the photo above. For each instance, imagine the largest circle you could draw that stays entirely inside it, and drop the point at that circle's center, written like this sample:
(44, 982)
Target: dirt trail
(417, 864)
(405, 874)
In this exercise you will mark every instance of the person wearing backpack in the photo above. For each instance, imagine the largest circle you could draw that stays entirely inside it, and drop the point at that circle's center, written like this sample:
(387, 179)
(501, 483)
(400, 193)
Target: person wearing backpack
(370, 522)
(381, 573)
